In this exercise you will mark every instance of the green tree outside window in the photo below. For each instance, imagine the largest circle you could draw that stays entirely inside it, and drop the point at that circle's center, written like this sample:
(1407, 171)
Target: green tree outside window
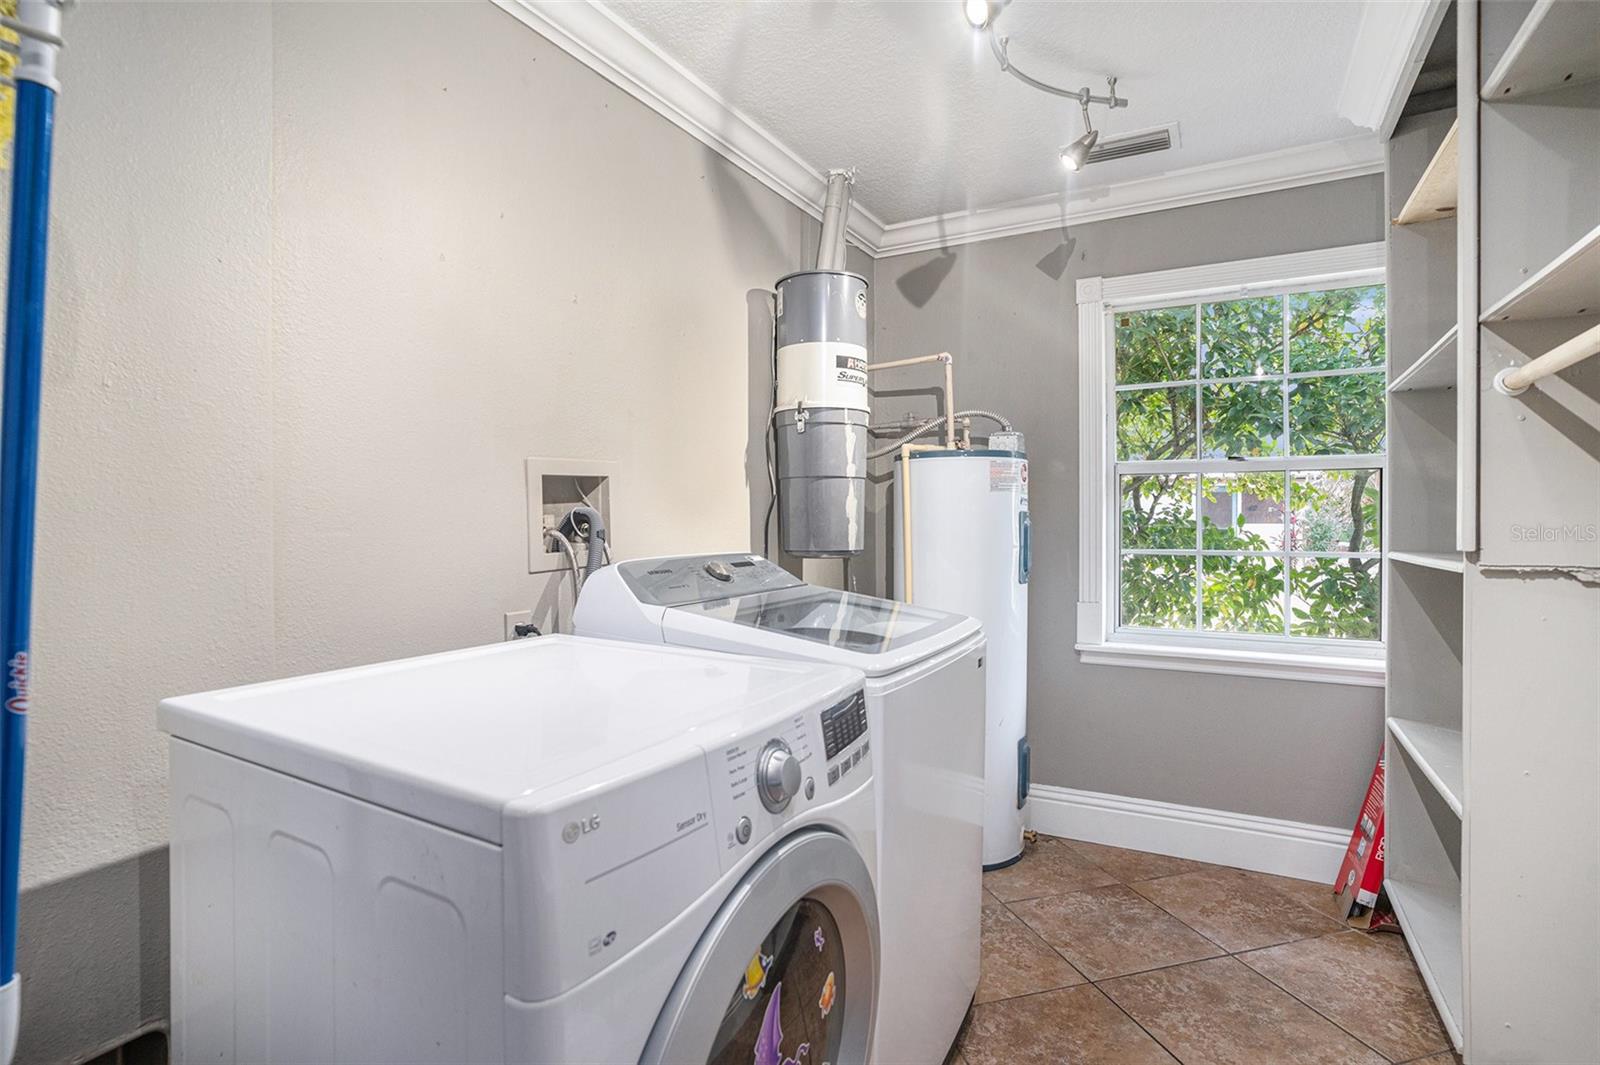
(1225, 526)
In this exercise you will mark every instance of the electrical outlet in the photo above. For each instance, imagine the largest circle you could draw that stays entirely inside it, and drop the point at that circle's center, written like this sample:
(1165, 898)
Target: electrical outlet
(555, 486)
(515, 618)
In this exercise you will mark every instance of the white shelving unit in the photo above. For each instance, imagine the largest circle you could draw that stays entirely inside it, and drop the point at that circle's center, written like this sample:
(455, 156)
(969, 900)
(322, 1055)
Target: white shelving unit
(1453, 562)
(1434, 196)
(1568, 286)
(1557, 44)
(1425, 781)
(1435, 369)
(1431, 914)
(1437, 752)
(1493, 754)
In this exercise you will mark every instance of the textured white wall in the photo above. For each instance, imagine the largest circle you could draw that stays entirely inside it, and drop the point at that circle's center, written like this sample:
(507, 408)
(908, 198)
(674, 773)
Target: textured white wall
(153, 568)
(322, 276)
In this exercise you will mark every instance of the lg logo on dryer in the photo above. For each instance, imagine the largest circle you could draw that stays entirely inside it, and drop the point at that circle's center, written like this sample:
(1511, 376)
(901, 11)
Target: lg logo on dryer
(583, 827)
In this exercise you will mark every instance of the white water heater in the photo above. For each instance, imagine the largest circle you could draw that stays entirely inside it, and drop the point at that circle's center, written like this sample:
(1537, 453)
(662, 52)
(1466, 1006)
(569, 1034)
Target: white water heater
(967, 548)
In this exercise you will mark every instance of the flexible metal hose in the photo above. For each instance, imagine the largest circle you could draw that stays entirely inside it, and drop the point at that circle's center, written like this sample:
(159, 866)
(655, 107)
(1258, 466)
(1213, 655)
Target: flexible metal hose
(572, 560)
(933, 423)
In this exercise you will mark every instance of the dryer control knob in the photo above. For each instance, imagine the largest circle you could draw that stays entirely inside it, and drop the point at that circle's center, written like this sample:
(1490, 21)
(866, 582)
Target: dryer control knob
(777, 776)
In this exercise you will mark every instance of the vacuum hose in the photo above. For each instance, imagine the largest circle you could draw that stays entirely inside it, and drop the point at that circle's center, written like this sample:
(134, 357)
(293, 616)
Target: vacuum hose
(934, 423)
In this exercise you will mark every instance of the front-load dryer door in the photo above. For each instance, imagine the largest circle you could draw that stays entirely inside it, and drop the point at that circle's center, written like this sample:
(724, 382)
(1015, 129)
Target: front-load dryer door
(787, 971)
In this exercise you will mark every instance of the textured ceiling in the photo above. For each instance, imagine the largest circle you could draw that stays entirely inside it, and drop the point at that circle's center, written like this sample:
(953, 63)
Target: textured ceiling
(912, 96)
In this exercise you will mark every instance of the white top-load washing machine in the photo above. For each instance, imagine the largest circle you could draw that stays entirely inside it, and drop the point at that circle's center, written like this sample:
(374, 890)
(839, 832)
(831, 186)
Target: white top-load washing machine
(554, 850)
(925, 702)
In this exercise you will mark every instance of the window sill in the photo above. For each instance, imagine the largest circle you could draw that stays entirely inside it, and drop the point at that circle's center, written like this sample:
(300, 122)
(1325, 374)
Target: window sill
(1325, 669)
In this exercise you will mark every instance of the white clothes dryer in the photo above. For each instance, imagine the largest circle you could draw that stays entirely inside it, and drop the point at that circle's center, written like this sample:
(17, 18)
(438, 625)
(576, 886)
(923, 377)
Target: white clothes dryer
(554, 850)
(925, 702)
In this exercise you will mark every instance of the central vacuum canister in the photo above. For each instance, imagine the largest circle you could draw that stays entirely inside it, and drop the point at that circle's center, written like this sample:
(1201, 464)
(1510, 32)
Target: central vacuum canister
(821, 413)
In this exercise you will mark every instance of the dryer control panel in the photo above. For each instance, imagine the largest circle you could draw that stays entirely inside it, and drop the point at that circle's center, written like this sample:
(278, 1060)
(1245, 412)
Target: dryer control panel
(844, 732)
(762, 780)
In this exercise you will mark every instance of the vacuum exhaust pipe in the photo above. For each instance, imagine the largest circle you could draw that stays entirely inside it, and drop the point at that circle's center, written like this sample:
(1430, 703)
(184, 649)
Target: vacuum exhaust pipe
(835, 212)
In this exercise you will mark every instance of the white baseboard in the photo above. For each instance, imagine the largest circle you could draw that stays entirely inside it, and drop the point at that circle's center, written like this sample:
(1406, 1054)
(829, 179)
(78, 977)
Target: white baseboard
(1263, 844)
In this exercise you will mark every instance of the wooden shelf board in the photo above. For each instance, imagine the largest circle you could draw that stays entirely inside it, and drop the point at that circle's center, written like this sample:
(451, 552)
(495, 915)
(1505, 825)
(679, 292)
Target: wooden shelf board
(1434, 370)
(1568, 285)
(1435, 194)
(1437, 752)
(1453, 561)
(1557, 45)
(1430, 917)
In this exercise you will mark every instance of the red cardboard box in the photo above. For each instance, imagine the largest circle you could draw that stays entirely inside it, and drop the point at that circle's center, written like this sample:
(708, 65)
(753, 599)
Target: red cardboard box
(1361, 872)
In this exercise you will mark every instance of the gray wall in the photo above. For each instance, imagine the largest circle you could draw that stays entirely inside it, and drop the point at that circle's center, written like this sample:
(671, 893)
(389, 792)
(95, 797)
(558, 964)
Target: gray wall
(1283, 749)
(322, 276)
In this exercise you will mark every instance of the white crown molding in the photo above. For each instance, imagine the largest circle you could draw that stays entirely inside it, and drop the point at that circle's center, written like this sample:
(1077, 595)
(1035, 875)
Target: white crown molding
(593, 35)
(596, 37)
(1244, 841)
(1392, 42)
(1286, 169)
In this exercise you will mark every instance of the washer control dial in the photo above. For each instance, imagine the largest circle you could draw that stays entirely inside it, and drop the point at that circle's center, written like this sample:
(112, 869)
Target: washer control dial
(777, 776)
(718, 570)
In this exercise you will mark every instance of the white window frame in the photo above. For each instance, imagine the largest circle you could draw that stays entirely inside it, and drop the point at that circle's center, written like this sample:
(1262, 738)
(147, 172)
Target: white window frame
(1100, 641)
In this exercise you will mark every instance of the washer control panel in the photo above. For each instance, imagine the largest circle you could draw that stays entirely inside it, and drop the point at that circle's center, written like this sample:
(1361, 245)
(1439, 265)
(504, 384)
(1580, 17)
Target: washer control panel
(762, 780)
(697, 578)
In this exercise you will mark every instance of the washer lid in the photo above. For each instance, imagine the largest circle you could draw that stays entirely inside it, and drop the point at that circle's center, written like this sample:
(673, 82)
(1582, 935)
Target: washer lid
(453, 738)
(876, 636)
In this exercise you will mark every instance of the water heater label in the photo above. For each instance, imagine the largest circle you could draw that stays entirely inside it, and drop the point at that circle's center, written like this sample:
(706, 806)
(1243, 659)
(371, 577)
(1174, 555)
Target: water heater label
(1008, 474)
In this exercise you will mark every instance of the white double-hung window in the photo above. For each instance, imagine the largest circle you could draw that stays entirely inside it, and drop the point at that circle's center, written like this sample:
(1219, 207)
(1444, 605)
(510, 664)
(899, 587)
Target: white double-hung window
(1232, 449)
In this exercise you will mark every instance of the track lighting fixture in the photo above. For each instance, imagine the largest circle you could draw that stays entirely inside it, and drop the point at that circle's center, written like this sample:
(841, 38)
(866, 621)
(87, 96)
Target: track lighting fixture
(981, 14)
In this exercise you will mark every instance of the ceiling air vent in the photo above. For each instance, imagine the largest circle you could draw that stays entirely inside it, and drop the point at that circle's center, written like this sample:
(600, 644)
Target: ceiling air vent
(1128, 144)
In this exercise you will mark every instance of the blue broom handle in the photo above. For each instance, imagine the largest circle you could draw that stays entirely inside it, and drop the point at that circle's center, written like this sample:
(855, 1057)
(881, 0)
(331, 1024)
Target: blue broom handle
(19, 455)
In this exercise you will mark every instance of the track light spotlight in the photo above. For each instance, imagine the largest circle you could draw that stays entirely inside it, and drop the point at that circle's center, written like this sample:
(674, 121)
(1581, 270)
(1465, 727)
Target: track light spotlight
(1076, 154)
(980, 12)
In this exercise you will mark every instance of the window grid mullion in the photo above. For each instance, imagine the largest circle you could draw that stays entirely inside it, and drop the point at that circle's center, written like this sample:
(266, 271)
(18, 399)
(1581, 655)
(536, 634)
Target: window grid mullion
(1260, 464)
(1221, 552)
(1199, 555)
(1284, 598)
(1288, 434)
(1250, 379)
(1199, 452)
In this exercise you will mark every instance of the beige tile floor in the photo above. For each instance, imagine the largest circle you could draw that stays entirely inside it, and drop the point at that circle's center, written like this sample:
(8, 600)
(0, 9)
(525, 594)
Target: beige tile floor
(1100, 956)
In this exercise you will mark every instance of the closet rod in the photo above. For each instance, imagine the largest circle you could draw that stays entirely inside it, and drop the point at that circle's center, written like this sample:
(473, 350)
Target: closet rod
(1514, 382)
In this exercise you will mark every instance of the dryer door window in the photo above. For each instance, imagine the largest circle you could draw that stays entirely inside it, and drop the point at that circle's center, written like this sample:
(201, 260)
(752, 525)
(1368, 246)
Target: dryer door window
(787, 972)
(788, 1006)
